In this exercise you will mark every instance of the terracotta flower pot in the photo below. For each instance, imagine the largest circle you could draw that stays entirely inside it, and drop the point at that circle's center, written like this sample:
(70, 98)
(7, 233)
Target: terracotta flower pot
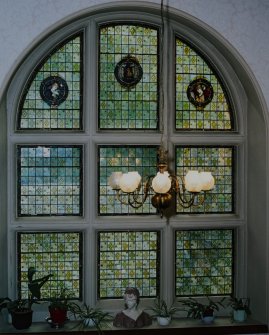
(57, 317)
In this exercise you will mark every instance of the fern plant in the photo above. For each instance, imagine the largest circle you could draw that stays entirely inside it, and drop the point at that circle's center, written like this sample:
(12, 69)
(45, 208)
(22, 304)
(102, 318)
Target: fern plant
(161, 308)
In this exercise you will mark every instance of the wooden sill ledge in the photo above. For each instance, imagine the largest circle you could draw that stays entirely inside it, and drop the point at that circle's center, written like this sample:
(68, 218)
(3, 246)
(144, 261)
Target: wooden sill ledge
(180, 326)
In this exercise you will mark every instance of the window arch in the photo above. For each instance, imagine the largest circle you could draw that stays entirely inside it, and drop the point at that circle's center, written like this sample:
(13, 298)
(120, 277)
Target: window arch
(92, 141)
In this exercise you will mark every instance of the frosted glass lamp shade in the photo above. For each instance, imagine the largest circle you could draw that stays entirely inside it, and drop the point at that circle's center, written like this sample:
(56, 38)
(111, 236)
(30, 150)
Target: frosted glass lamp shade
(207, 180)
(193, 182)
(114, 180)
(136, 176)
(161, 183)
(129, 182)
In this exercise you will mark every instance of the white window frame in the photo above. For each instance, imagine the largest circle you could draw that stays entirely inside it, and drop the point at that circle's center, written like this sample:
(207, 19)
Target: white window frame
(90, 138)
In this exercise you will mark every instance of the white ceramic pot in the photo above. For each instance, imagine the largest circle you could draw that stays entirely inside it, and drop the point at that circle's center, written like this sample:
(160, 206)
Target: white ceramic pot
(208, 319)
(89, 323)
(163, 321)
(239, 315)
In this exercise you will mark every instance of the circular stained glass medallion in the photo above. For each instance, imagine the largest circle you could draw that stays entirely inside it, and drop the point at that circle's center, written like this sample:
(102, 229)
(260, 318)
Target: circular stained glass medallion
(200, 92)
(128, 71)
(54, 90)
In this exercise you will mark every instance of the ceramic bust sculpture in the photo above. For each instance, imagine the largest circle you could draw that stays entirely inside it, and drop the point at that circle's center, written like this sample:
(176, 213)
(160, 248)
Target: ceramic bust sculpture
(132, 316)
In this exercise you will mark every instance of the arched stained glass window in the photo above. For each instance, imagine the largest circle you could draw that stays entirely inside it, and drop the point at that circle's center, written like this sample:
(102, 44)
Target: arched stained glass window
(65, 203)
(201, 101)
(52, 99)
(128, 77)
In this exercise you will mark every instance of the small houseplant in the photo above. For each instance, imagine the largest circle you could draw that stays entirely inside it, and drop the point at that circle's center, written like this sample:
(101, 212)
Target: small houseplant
(58, 308)
(89, 316)
(21, 309)
(199, 310)
(163, 312)
(240, 308)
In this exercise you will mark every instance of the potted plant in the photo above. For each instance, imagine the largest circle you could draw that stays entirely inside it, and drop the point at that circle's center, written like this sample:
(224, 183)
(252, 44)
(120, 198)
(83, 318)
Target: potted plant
(21, 309)
(58, 308)
(203, 311)
(240, 308)
(163, 312)
(90, 317)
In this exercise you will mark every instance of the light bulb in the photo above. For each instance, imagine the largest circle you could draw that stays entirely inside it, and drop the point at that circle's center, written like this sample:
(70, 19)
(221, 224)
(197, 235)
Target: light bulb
(114, 180)
(161, 183)
(129, 182)
(192, 181)
(207, 180)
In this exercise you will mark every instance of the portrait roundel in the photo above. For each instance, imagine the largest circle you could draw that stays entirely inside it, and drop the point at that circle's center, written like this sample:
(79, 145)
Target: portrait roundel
(200, 92)
(128, 71)
(54, 90)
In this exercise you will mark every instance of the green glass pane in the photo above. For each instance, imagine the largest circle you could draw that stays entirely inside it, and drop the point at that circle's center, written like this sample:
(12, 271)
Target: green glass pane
(56, 253)
(219, 161)
(142, 159)
(46, 106)
(49, 180)
(216, 115)
(128, 259)
(204, 262)
(121, 107)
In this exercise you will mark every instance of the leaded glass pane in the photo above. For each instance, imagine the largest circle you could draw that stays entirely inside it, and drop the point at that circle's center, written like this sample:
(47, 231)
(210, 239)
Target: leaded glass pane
(204, 262)
(133, 107)
(218, 160)
(56, 253)
(128, 259)
(198, 111)
(142, 159)
(53, 96)
(49, 180)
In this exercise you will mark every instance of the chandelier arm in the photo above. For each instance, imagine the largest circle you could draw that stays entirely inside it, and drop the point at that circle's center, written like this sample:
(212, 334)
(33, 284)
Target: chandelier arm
(133, 197)
(129, 202)
(119, 198)
(135, 203)
(191, 202)
(181, 194)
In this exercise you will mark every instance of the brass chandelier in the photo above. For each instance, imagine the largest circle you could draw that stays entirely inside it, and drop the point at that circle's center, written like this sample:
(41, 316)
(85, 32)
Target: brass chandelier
(131, 190)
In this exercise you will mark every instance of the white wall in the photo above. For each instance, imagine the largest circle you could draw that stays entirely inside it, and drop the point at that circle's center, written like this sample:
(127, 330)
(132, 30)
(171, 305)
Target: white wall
(243, 23)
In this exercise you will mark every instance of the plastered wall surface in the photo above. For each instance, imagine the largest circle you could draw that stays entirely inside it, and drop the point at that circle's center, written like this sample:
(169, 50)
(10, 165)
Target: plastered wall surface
(243, 23)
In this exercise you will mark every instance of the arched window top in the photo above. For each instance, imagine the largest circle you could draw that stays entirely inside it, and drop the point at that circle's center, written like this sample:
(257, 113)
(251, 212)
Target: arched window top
(201, 100)
(52, 98)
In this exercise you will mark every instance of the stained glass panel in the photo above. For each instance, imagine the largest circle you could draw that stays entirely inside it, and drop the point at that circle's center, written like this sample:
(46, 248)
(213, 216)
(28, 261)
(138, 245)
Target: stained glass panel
(128, 259)
(128, 107)
(53, 96)
(49, 180)
(195, 84)
(218, 160)
(142, 159)
(56, 253)
(204, 262)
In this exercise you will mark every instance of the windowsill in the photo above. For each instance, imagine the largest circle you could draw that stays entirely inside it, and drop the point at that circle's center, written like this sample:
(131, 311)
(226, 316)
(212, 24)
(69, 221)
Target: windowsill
(220, 326)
